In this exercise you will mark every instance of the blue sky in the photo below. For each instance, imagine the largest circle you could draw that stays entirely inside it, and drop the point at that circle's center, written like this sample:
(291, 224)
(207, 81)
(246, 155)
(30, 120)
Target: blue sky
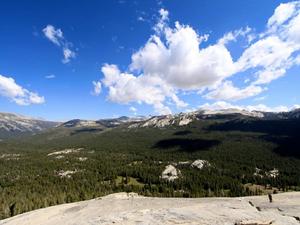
(219, 54)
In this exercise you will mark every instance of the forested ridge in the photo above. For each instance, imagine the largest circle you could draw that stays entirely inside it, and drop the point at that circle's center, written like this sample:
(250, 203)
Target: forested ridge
(59, 166)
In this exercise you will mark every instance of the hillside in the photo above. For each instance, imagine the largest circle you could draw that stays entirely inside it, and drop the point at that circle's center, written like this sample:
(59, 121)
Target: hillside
(186, 155)
(12, 125)
(130, 208)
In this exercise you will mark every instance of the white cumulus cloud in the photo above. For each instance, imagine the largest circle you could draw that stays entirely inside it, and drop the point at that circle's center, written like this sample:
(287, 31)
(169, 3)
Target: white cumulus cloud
(173, 61)
(180, 62)
(227, 91)
(282, 13)
(16, 93)
(125, 88)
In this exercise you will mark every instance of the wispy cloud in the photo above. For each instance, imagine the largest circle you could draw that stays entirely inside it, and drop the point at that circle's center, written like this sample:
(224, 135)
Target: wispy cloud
(260, 98)
(140, 18)
(220, 105)
(132, 109)
(97, 88)
(50, 76)
(56, 37)
(53, 35)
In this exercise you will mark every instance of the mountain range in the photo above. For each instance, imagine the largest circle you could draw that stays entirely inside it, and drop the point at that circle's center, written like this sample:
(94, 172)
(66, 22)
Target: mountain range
(13, 125)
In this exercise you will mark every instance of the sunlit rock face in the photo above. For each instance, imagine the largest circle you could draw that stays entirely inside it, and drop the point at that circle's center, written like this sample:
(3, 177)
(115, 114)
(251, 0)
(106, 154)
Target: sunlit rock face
(130, 208)
(170, 173)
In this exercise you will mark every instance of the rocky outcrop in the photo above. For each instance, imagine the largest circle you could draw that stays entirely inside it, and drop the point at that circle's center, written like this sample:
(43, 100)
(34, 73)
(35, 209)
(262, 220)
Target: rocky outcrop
(123, 208)
(170, 173)
(200, 164)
